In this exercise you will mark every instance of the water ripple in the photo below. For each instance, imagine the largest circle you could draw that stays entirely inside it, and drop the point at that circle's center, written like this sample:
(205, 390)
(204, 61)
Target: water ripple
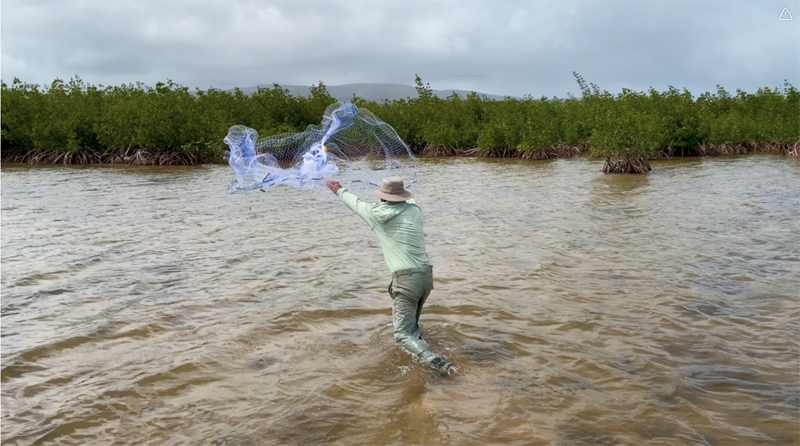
(147, 306)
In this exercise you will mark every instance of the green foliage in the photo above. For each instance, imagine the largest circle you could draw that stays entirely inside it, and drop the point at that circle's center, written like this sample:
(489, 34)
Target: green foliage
(68, 116)
(625, 125)
(767, 115)
(71, 116)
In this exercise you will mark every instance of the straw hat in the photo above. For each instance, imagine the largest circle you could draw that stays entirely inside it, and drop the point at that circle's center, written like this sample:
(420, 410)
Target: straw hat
(392, 190)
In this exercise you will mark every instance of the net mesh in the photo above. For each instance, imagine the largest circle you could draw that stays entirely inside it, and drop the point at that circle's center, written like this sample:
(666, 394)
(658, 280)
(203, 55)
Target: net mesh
(350, 145)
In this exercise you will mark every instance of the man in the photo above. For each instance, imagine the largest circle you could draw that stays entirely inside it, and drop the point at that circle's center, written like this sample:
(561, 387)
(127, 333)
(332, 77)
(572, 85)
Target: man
(397, 221)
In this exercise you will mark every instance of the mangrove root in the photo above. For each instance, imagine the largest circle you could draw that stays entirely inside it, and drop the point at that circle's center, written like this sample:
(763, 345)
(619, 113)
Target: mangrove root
(440, 150)
(631, 163)
(558, 150)
(792, 149)
(729, 148)
(87, 155)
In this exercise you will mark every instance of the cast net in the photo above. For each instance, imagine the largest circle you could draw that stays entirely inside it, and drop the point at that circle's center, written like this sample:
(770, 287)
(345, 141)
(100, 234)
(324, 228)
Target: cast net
(350, 145)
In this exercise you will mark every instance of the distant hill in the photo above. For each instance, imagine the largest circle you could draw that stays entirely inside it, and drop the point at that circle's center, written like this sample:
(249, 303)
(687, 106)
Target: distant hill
(370, 92)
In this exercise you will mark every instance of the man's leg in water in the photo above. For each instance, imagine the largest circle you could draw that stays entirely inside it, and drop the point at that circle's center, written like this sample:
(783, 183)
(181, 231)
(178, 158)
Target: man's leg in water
(410, 291)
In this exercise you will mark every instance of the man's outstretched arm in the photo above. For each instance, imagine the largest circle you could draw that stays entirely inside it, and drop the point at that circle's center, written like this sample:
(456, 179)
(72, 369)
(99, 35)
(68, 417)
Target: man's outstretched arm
(351, 201)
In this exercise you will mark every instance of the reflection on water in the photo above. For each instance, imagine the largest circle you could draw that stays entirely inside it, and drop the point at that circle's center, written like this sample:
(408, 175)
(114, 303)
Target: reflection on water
(148, 306)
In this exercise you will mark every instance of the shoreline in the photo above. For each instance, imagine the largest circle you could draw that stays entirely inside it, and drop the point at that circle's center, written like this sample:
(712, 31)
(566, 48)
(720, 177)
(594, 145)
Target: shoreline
(148, 157)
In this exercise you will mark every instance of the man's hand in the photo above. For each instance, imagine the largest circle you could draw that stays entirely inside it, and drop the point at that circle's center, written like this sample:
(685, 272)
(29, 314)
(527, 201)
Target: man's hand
(334, 186)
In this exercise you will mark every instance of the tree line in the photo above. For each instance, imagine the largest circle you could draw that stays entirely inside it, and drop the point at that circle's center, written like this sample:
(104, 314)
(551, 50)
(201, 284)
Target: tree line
(72, 117)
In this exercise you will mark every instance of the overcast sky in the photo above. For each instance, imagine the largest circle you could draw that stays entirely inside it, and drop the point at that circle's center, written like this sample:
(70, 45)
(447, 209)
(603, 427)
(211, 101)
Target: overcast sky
(498, 47)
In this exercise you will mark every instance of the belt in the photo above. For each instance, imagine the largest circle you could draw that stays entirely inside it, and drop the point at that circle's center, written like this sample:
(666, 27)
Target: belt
(406, 272)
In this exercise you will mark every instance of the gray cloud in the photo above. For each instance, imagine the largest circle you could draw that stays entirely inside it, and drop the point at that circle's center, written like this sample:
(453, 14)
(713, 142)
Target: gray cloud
(498, 47)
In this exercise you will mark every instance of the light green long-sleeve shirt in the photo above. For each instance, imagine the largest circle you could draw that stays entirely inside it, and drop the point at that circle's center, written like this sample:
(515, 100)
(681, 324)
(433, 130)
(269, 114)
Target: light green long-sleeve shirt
(398, 227)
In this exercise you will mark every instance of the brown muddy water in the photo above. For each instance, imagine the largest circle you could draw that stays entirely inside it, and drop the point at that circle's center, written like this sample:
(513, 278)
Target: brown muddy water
(149, 306)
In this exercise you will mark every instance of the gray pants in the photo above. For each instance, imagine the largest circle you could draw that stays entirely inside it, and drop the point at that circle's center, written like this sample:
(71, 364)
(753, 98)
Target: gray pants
(409, 290)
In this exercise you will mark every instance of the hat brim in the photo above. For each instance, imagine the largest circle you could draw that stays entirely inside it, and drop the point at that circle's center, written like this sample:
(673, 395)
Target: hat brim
(405, 195)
